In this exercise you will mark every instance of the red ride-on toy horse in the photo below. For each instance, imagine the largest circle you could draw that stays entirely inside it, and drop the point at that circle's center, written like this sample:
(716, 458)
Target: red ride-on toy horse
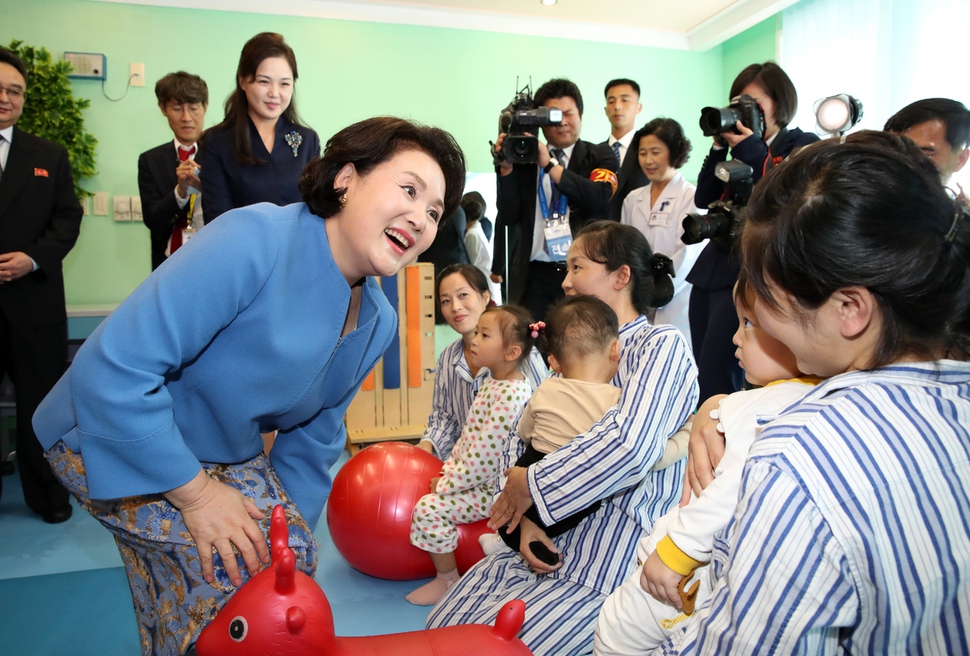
(282, 611)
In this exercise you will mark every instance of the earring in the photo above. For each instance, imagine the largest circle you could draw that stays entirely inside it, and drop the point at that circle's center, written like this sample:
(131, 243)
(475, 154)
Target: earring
(343, 201)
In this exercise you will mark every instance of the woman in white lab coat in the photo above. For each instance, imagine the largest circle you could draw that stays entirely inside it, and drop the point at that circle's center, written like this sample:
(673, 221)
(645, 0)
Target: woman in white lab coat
(658, 209)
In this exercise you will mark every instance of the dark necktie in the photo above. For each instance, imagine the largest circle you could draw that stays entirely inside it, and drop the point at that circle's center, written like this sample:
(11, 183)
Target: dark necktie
(616, 151)
(560, 156)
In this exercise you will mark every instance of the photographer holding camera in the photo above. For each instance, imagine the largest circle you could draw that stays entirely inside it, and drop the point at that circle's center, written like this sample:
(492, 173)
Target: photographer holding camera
(546, 193)
(755, 126)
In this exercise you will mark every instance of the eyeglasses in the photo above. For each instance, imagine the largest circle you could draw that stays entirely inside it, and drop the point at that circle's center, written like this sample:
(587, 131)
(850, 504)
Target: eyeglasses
(194, 109)
(13, 93)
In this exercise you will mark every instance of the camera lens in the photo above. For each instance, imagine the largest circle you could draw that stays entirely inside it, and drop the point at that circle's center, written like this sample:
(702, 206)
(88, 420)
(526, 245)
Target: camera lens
(715, 120)
(520, 149)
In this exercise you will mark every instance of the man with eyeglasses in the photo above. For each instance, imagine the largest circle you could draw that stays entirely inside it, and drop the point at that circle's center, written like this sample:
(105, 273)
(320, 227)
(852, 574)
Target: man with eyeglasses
(40, 218)
(168, 177)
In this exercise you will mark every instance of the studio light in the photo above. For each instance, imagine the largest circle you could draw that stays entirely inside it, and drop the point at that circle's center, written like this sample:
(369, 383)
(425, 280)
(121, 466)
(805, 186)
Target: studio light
(837, 114)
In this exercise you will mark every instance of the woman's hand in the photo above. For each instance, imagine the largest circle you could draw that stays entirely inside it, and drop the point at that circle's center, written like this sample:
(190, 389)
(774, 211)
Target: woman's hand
(661, 582)
(513, 502)
(434, 484)
(734, 139)
(529, 532)
(219, 516)
(705, 448)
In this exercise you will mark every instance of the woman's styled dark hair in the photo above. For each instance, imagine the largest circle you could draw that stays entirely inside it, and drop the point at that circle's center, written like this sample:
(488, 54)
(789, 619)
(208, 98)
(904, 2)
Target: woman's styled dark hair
(260, 47)
(614, 244)
(514, 322)
(671, 134)
(372, 142)
(776, 83)
(869, 212)
(577, 326)
(471, 273)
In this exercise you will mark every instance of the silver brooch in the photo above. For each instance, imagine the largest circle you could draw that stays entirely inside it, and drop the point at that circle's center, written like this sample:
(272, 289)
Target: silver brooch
(293, 140)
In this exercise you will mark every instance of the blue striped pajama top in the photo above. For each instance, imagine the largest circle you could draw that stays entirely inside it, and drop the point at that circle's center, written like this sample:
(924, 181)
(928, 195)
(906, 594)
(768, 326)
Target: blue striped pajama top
(852, 534)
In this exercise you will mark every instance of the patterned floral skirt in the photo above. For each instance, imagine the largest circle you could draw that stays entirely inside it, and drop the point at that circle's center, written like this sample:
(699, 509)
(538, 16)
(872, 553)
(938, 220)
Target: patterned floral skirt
(173, 603)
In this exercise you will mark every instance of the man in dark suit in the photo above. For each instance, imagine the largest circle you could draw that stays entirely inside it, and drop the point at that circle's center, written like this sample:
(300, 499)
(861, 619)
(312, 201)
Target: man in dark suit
(168, 177)
(545, 206)
(622, 108)
(40, 218)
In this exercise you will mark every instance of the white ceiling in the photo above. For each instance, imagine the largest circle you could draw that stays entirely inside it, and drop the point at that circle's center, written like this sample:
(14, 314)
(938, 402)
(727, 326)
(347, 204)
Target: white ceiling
(683, 25)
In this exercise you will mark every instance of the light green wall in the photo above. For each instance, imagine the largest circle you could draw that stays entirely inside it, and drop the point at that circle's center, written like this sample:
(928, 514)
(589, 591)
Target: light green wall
(753, 46)
(456, 79)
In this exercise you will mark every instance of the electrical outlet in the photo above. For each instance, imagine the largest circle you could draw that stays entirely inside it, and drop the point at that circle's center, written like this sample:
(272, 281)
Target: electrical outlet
(122, 207)
(137, 75)
(136, 214)
(101, 203)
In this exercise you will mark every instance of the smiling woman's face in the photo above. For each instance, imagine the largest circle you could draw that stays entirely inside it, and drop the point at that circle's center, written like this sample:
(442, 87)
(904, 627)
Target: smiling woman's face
(461, 304)
(269, 92)
(391, 215)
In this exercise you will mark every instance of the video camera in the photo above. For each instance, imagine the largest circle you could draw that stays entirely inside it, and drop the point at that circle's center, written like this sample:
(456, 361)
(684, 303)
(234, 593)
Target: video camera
(719, 223)
(517, 119)
(715, 120)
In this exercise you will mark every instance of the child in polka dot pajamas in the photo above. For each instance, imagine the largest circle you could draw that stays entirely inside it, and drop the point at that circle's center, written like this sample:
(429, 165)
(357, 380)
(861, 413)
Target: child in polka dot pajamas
(463, 493)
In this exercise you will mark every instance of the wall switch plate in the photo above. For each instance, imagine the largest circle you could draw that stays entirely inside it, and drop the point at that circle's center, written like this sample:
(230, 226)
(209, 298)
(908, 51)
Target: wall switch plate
(122, 208)
(137, 75)
(136, 214)
(101, 203)
(87, 65)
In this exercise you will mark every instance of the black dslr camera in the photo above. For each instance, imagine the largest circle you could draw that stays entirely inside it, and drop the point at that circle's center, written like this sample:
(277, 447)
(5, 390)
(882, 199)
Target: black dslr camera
(719, 223)
(715, 120)
(517, 119)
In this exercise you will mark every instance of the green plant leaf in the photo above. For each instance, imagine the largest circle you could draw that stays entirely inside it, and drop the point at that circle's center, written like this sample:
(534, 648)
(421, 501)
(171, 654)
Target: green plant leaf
(51, 111)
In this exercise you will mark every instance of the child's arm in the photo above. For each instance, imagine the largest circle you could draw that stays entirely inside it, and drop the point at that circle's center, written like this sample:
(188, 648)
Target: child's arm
(527, 423)
(661, 582)
(676, 448)
(691, 534)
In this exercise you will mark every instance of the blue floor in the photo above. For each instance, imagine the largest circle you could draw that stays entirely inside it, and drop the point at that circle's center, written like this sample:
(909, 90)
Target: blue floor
(63, 590)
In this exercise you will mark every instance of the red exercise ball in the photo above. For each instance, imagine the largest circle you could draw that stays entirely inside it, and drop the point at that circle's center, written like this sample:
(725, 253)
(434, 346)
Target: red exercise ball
(369, 513)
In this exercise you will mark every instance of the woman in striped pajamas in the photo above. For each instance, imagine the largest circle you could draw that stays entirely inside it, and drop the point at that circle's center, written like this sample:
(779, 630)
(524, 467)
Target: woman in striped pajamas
(463, 295)
(611, 462)
(851, 533)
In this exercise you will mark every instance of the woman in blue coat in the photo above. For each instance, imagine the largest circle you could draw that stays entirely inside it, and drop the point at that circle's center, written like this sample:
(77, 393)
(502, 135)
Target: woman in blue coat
(268, 320)
(259, 150)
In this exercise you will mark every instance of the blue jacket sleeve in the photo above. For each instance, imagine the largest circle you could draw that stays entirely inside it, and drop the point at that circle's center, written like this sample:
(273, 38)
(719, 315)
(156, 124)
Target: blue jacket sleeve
(124, 411)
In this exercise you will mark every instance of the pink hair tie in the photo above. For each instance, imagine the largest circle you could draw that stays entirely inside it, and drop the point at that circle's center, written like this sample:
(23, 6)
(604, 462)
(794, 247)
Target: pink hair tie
(536, 327)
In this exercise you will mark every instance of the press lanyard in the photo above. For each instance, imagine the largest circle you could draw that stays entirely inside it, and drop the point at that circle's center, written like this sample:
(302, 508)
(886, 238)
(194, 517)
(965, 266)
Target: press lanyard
(559, 201)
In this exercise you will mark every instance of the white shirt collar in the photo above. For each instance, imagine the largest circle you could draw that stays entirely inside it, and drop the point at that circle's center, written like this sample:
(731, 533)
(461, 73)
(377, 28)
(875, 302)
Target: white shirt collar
(178, 144)
(624, 140)
(7, 134)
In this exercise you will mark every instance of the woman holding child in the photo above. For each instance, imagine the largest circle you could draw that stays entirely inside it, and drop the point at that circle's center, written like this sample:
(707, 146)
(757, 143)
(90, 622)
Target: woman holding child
(658, 380)
(860, 264)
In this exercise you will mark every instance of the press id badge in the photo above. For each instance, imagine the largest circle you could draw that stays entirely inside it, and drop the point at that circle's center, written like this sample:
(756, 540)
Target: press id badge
(658, 219)
(558, 239)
